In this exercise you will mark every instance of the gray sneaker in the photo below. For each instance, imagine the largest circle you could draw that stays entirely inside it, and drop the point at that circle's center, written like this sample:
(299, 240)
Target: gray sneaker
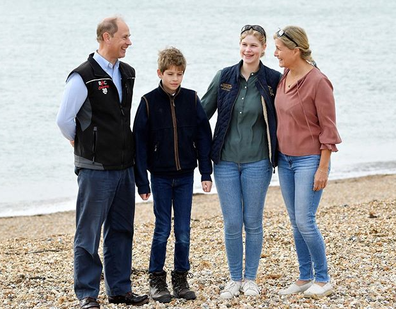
(231, 289)
(250, 288)
(158, 287)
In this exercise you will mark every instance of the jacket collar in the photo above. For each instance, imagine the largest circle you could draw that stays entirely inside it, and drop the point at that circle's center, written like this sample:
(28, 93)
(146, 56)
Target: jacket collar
(261, 66)
(98, 71)
(162, 90)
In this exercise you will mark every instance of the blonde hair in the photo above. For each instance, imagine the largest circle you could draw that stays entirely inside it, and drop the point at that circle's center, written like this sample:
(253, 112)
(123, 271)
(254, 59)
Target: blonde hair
(259, 36)
(169, 57)
(299, 36)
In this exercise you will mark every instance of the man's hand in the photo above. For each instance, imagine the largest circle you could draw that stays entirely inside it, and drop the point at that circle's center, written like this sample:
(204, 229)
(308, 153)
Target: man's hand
(145, 196)
(206, 186)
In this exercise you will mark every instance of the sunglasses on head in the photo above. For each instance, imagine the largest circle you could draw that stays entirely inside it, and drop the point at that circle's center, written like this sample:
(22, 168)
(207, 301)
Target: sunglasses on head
(281, 33)
(255, 28)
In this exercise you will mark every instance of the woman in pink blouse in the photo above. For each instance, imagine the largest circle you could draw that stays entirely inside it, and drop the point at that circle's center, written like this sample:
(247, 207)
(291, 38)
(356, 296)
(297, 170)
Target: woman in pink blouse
(307, 135)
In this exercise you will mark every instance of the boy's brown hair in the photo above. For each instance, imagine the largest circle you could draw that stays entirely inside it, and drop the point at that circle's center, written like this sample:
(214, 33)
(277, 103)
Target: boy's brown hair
(169, 57)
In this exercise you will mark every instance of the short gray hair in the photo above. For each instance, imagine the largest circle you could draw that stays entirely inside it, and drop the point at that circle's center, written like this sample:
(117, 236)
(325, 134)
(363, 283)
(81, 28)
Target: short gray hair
(108, 25)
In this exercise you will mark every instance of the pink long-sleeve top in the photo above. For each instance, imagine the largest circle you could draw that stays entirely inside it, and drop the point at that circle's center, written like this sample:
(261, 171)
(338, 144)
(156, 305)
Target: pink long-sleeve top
(306, 115)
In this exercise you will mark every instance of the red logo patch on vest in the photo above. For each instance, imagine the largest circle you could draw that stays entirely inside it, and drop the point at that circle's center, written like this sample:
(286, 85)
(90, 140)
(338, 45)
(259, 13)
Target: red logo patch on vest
(103, 86)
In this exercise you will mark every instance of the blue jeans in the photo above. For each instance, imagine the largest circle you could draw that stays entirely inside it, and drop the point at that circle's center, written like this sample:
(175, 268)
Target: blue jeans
(166, 191)
(242, 189)
(104, 198)
(296, 178)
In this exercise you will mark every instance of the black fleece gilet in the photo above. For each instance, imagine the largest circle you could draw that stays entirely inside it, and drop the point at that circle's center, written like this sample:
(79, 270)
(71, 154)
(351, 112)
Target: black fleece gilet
(104, 139)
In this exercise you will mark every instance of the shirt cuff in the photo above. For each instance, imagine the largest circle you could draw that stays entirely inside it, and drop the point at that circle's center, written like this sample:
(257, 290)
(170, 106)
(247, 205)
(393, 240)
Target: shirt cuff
(331, 147)
(144, 189)
(206, 177)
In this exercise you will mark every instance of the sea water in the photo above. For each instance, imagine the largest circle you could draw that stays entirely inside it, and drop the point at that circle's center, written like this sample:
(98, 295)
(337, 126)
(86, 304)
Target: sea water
(42, 41)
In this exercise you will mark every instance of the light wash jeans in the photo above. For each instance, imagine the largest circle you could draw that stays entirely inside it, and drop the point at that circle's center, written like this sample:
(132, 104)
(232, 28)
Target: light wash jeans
(296, 178)
(242, 189)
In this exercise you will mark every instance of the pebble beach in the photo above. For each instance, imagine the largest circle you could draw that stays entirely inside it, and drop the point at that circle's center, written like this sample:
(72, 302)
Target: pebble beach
(357, 218)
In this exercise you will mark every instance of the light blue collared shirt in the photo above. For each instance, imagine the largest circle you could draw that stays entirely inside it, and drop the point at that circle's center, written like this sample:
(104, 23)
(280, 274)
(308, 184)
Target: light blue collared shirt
(76, 93)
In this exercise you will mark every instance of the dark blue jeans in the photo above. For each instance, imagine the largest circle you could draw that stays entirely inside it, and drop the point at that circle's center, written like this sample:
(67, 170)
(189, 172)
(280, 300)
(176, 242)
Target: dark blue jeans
(104, 198)
(167, 191)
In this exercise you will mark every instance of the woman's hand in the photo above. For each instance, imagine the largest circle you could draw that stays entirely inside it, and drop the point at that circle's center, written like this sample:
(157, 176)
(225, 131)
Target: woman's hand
(322, 173)
(320, 181)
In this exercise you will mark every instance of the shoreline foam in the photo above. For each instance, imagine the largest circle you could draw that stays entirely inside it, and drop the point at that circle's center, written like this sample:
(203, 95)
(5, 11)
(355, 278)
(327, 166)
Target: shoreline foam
(54, 205)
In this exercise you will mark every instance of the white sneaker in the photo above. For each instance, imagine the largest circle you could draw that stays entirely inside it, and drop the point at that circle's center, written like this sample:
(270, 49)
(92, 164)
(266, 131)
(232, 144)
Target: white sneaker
(317, 291)
(295, 288)
(231, 289)
(250, 288)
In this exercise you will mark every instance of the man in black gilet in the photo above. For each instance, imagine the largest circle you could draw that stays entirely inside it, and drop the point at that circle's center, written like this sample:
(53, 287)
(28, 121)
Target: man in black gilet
(95, 117)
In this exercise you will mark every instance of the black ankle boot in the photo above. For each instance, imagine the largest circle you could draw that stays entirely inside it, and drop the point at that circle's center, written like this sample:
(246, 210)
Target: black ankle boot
(158, 287)
(181, 289)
